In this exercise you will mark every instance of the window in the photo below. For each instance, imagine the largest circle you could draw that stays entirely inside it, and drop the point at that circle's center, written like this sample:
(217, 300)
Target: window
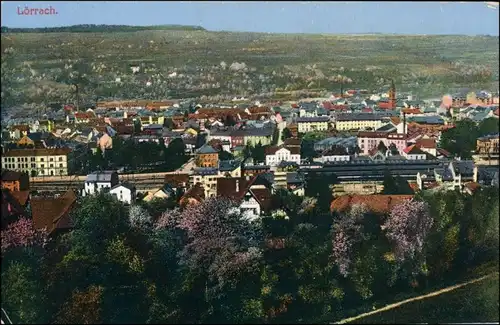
(60, 165)
(60, 158)
(51, 165)
(42, 166)
(41, 159)
(32, 158)
(51, 159)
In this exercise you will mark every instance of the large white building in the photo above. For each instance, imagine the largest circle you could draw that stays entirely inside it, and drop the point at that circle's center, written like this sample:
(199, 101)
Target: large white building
(275, 155)
(98, 181)
(124, 192)
(37, 162)
(310, 124)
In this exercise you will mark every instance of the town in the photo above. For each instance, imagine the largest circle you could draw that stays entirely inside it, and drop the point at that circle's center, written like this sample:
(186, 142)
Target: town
(171, 174)
(350, 148)
(142, 150)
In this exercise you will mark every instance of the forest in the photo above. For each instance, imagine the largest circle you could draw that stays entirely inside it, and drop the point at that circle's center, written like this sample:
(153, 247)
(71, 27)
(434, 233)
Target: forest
(206, 263)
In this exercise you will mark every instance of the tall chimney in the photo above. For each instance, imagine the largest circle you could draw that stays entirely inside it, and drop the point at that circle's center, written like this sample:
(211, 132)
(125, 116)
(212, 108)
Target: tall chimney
(404, 123)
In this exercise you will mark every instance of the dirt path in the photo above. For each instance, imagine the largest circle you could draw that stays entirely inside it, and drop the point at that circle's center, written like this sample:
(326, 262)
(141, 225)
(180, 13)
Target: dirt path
(432, 294)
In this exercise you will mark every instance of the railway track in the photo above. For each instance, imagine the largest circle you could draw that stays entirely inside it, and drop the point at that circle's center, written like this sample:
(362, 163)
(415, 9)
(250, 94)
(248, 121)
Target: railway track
(141, 184)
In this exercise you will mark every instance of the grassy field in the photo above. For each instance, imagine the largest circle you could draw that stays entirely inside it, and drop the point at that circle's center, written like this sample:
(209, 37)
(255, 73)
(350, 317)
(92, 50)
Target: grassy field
(428, 64)
(414, 52)
(477, 302)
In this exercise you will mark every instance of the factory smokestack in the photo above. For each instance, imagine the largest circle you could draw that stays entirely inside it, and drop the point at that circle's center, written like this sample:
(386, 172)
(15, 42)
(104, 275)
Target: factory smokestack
(404, 123)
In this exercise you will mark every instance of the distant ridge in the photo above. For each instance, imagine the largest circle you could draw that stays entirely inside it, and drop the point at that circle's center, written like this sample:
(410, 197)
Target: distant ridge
(99, 28)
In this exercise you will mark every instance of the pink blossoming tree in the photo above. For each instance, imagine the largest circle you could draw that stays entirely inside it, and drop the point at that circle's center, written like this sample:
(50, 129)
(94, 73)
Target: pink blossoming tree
(346, 233)
(22, 234)
(407, 227)
(218, 239)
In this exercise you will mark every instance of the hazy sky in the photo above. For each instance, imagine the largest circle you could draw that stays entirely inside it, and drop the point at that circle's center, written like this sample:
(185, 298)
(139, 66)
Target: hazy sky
(276, 17)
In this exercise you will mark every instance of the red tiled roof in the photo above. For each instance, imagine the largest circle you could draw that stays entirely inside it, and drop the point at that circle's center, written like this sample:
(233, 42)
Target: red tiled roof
(472, 186)
(227, 187)
(291, 142)
(426, 143)
(53, 213)
(368, 134)
(413, 150)
(327, 105)
(11, 176)
(414, 186)
(272, 150)
(84, 115)
(443, 152)
(21, 127)
(10, 205)
(395, 120)
(259, 110)
(377, 203)
(21, 196)
(176, 179)
(197, 192)
(411, 111)
(263, 196)
(37, 152)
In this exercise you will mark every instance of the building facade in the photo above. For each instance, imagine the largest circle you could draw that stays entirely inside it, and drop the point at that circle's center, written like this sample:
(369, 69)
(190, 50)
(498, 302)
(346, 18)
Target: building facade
(37, 162)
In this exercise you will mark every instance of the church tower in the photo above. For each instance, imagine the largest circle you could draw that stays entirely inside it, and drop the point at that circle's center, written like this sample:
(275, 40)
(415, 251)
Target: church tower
(392, 95)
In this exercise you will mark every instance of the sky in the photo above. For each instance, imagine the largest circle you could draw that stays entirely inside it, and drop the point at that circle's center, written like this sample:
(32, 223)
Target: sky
(430, 18)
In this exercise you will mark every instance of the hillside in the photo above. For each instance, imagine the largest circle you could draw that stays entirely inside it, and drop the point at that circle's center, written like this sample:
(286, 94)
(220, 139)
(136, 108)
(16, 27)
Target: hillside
(477, 302)
(272, 62)
(97, 29)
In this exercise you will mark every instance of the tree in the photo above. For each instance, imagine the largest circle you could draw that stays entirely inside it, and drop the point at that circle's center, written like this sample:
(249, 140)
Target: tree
(395, 185)
(382, 147)
(286, 134)
(140, 218)
(407, 227)
(221, 249)
(488, 126)
(83, 307)
(247, 151)
(229, 120)
(259, 153)
(346, 233)
(224, 155)
(307, 150)
(137, 126)
(76, 75)
(22, 294)
(23, 234)
(168, 123)
(460, 140)
(318, 185)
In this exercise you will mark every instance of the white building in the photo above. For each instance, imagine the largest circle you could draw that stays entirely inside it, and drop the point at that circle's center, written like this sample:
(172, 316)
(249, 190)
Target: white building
(413, 152)
(310, 124)
(332, 158)
(37, 162)
(275, 155)
(124, 192)
(98, 181)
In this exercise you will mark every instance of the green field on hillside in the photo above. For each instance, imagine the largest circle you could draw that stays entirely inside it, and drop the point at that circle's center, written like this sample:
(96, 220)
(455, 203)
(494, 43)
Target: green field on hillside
(426, 65)
(477, 302)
